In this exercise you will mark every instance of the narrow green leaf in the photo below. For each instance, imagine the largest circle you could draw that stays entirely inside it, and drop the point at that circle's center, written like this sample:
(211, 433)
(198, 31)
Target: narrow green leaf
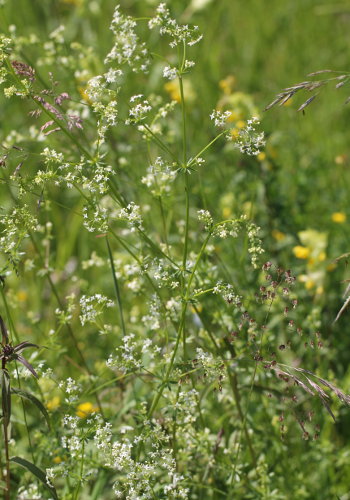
(34, 400)
(5, 396)
(38, 473)
(3, 485)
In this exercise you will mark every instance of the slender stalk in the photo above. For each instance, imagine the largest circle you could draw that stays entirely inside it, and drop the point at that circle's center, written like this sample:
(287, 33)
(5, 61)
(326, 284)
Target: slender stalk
(77, 489)
(233, 383)
(116, 287)
(192, 161)
(7, 460)
(180, 330)
(8, 315)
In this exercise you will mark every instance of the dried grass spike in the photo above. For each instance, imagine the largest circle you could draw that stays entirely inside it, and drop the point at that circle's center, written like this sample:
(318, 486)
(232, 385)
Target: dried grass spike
(306, 103)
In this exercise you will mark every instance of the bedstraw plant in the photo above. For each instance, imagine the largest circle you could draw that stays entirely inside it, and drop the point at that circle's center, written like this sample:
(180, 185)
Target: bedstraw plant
(176, 352)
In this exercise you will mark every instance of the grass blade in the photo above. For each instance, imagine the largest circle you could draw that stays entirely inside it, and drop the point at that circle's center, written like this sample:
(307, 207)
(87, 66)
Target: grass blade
(38, 473)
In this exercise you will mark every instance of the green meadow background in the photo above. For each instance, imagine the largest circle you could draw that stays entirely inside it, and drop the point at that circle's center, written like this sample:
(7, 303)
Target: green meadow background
(297, 191)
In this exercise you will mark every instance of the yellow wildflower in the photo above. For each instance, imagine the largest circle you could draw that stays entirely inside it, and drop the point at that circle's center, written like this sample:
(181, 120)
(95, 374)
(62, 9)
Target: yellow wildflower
(57, 460)
(309, 284)
(83, 93)
(339, 217)
(261, 156)
(322, 256)
(22, 295)
(301, 252)
(240, 124)
(234, 117)
(278, 235)
(226, 212)
(340, 159)
(173, 89)
(227, 84)
(234, 133)
(53, 403)
(85, 409)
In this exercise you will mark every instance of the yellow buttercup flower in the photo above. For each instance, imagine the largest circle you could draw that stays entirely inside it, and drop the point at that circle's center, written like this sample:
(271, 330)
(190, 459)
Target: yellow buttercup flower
(83, 93)
(340, 159)
(339, 217)
(22, 295)
(261, 156)
(322, 256)
(234, 133)
(226, 212)
(227, 84)
(53, 404)
(301, 252)
(240, 124)
(173, 89)
(278, 235)
(85, 409)
(309, 284)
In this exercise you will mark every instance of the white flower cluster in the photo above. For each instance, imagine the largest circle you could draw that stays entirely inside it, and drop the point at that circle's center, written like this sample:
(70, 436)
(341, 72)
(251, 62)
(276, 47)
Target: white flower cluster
(14, 228)
(5, 46)
(95, 218)
(234, 227)
(92, 307)
(51, 156)
(159, 178)
(213, 366)
(155, 475)
(128, 357)
(227, 293)
(65, 316)
(127, 49)
(72, 441)
(132, 215)
(31, 491)
(249, 141)
(152, 320)
(220, 117)
(140, 109)
(71, 390)
(178, 33)
(164, 274)
(255, 244)
(104, 100)
(170, 73)
(205, 216)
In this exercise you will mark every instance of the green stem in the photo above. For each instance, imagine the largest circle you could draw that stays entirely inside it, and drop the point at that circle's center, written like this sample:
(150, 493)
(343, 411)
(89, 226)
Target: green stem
(160, 143)
(180, 330)
(8, 315)
(7, 461)
(116, 287)
(192, 161)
